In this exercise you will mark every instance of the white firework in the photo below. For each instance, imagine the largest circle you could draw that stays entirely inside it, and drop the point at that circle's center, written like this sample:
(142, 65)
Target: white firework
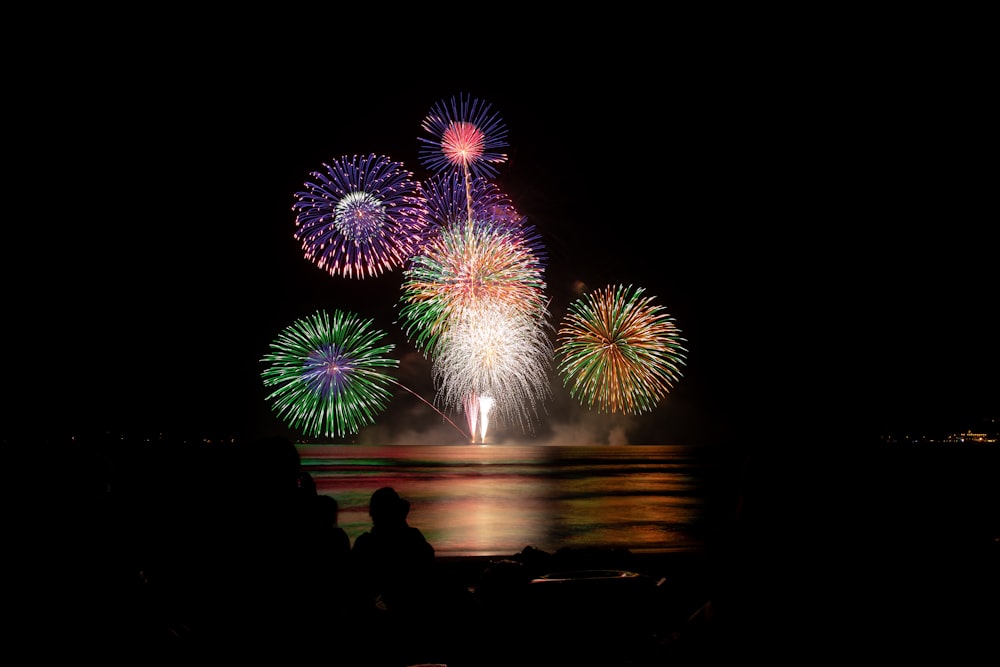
(494, 361)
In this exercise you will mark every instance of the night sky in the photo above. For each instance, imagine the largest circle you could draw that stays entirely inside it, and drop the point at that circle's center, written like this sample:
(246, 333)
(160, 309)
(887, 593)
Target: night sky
(822, 237)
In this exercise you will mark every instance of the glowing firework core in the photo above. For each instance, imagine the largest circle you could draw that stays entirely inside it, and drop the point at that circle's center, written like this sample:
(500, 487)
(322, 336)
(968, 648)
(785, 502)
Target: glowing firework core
(325, 370)
(463, 143)
(359, 217)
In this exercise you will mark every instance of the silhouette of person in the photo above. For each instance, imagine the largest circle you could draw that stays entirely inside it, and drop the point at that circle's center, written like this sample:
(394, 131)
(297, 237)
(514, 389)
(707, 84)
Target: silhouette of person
(394, 586)
(327, 546)
(322, 560)
(258, 594)
(392, 558)
(331, 541)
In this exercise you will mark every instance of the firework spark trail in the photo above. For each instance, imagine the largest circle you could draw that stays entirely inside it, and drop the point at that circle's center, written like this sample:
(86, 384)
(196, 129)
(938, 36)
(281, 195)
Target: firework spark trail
(485, 409)
(498, 352)
(361, 218)
(460, 268)
(471, 404)
(326, 374)
(619, 351)
(435, 409)
(477, 413)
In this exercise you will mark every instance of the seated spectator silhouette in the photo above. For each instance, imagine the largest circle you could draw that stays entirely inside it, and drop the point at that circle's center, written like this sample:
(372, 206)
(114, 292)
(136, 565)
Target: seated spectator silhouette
(326, 555)
(255, 590)
(394, 568)
(330, 541)
(392, 559)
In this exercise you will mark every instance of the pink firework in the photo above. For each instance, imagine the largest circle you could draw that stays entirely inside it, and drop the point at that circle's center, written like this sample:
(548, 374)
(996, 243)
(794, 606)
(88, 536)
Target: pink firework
(462, 143)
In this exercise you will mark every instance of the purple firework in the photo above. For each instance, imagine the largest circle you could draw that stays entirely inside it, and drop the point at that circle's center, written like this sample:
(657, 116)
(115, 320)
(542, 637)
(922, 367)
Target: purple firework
(446, 200)
(465, 136)
(360, 218)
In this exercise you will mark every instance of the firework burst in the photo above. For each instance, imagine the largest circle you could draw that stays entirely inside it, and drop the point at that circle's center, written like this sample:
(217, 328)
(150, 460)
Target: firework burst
(461, 268)
(618, 351)
(360, 218)
(327, 374)
(465, 136)
(494, 360)
(446, 201)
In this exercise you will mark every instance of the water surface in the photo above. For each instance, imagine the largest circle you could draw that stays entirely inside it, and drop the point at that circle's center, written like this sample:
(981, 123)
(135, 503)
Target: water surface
(486, 500)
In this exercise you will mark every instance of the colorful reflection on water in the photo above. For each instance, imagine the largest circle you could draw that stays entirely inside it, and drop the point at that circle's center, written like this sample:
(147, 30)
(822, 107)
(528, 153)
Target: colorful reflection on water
(490, 500)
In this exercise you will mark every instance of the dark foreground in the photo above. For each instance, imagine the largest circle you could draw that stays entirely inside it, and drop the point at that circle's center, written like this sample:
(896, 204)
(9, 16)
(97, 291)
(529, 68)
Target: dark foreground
(899, 562)
(593, 608)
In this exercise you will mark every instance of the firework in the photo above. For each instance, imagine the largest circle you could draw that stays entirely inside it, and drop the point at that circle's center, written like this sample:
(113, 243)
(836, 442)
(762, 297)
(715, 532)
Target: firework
(494, 359)
(464, 137)
(471, 406)
(360, 218)
(461, 268)
(618, 351)
(477, 411)
(447, 201)
(327, 374)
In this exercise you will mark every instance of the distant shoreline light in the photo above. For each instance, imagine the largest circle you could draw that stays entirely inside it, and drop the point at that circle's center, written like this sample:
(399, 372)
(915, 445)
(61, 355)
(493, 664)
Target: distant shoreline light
(953, 438)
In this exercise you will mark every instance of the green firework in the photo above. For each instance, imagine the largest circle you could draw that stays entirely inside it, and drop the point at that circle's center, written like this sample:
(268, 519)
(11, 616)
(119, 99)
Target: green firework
(326, 374)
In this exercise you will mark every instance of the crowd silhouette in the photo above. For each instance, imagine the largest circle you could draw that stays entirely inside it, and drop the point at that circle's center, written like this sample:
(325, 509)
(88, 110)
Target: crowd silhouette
(228, 552)
(158, 555)
(164, 555)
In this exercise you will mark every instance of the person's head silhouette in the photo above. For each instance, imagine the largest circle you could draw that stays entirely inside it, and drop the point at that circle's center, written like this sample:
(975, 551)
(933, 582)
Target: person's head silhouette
(386, 507)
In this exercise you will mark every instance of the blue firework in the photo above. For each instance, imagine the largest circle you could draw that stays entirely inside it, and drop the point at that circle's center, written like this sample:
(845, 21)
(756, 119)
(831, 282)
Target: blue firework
(359, 218)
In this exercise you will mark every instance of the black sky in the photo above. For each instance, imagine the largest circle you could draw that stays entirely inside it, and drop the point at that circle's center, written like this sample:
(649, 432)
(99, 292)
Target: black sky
(822, 233)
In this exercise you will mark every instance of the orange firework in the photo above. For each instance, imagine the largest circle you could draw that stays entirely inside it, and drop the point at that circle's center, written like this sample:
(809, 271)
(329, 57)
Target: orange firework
(618, 351)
